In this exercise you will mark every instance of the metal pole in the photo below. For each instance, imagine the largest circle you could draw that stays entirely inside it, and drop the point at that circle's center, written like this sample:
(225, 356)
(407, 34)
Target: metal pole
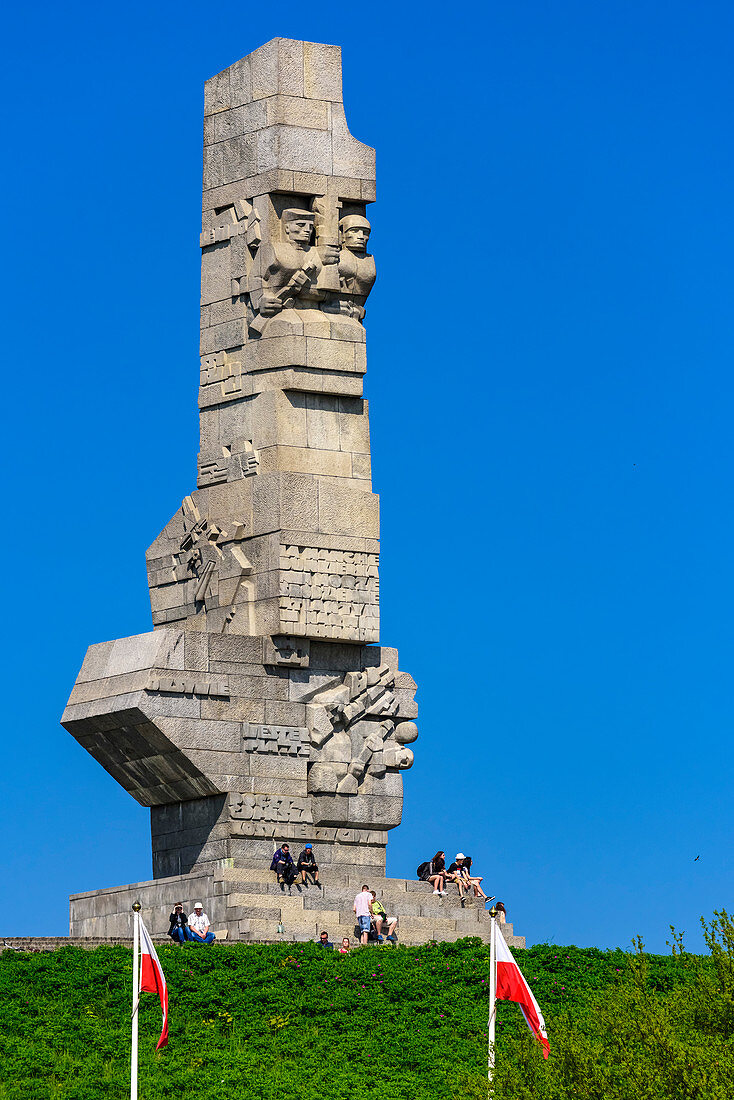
(136, 1002)
(492, 994)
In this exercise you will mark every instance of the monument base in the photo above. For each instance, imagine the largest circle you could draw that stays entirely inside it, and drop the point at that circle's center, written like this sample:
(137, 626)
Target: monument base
(249, 905)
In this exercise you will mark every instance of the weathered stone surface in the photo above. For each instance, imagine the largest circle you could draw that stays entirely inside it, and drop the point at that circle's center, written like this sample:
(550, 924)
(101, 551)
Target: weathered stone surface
(248, 904)
(260, 708)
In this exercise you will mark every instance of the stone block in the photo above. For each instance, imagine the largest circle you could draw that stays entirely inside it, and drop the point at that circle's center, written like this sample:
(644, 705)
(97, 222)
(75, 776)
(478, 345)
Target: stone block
(351, 157)
(237, 649)
(244, 119)
(240, 82)
(217, 93)
(198, 733)
(294, 111)
(285, 712)
(322, 71)
(244, 874)
(277, 767)
(346, 510)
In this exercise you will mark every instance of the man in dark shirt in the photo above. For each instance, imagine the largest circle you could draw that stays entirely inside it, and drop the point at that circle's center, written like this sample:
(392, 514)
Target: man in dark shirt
(307, 864)
(282, 864)
(324, 941)
(455, 874)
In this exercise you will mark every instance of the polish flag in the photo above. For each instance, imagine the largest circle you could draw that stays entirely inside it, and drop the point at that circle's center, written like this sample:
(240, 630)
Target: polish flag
(152, 979)
(511, 986)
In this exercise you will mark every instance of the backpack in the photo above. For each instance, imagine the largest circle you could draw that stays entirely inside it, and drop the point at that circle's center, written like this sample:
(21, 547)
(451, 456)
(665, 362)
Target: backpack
(423, 868)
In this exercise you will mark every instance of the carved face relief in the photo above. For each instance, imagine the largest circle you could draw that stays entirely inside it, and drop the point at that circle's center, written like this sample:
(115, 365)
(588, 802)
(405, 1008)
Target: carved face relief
(298, 232)
(355, 239)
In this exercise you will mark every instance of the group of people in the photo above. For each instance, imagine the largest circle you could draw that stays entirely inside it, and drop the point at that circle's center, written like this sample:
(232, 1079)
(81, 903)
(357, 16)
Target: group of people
(288, 871)
(326, 942)
(459, 872)
(371, 917)
(192, 929)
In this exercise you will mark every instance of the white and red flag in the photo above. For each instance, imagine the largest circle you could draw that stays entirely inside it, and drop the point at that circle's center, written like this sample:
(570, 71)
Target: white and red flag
(511, 986)
(152, 979)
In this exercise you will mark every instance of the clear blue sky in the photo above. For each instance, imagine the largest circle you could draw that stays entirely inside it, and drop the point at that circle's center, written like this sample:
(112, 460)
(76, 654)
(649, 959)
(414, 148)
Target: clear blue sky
(550, 378)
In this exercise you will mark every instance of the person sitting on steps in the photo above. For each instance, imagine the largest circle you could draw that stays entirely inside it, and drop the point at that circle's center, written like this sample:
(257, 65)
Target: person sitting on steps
(456, 874)
(434, 872)
(179, 930)
(199, 926)
(474, 880)
(307, 865)
(282, 864)
(381, 918)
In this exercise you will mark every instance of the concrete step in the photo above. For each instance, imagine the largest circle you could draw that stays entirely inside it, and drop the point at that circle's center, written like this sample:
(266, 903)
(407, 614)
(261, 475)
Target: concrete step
(389, 892)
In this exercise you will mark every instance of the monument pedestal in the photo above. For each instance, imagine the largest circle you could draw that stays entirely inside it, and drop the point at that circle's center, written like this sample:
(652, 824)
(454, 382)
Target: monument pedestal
(249, 905)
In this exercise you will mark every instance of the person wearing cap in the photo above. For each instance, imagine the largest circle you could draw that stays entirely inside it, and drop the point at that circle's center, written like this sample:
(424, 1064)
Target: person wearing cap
(307, 864)
(356, 268)
(455, 874)
(292, 273)
(179, 926)
(199, 925)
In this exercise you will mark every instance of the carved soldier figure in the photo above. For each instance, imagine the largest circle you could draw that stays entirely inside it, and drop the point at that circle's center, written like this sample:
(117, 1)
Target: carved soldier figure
(293, 279)
(356, 268)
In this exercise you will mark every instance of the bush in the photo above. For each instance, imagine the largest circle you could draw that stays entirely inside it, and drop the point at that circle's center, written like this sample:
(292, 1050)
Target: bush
(295, 1022)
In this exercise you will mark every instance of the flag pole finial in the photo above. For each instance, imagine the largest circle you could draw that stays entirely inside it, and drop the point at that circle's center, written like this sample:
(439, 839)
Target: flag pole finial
(136, 907)
(493, 912)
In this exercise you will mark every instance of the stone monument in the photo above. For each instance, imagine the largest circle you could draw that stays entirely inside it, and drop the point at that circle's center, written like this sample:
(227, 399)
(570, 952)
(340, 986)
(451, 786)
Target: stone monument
(261, 707)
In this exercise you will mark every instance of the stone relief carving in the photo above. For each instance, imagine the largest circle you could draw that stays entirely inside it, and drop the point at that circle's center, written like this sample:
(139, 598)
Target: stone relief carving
(356, 268)
(354, 733)
(180, 685)
(319, 268)
(294, 278)
(206, 571)
(325, 592)
(287, 652)
(264, 807)
(271, 816)
(276, 740)
(229, 462)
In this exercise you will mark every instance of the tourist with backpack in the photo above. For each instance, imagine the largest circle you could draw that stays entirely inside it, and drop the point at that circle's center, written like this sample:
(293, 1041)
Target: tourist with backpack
(434, 871)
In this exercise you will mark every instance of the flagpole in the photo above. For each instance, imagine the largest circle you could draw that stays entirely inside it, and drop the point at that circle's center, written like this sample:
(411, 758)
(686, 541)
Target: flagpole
(492, 993)
(136, 1001)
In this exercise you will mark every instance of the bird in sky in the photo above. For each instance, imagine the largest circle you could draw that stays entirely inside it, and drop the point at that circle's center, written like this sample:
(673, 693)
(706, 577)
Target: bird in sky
(697, 857)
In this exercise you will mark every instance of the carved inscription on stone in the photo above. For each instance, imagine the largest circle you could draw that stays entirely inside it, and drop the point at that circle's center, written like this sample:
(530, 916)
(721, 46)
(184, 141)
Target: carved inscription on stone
(265, 807)
(276, 740)
(269, 816)
(329, 593)
(178, 685)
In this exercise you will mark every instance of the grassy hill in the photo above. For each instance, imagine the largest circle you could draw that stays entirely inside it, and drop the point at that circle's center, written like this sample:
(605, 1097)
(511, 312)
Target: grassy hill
(297, 1023)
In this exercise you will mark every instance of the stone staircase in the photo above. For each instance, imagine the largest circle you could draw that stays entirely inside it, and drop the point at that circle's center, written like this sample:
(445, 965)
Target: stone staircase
(246, 904)
(256, 904)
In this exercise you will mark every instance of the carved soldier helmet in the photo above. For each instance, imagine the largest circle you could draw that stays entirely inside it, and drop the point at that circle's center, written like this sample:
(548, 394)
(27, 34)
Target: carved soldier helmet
(293, 215)
(354, 221)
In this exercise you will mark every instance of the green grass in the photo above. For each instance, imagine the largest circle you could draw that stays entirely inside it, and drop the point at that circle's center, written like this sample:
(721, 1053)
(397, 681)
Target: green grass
(298, 1023)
